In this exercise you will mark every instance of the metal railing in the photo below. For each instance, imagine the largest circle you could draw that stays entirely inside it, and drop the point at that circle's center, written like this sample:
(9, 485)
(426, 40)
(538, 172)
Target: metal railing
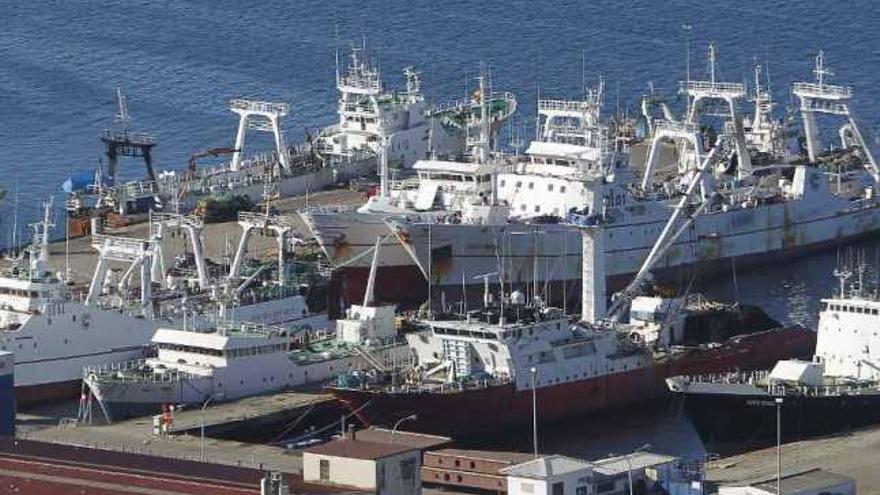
(259, 106)
(567, 106)
(725, 88)
(821, 90)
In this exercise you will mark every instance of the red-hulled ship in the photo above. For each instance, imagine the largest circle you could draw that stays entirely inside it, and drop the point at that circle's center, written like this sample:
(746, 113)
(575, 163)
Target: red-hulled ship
(476, 374)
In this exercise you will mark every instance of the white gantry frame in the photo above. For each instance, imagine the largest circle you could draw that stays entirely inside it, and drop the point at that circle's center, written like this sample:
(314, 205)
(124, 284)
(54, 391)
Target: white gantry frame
(823, 98)
(261, 116)
(138, 252)
(194, 227)
(699, 92)
(282, 226)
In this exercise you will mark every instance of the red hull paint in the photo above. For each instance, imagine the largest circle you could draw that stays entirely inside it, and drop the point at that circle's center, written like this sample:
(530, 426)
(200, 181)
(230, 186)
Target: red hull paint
(48, 392)
(503, 407)
(402, 285)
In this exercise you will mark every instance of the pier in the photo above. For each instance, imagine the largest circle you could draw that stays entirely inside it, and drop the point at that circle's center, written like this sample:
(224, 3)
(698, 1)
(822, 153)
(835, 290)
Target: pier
(252, 417)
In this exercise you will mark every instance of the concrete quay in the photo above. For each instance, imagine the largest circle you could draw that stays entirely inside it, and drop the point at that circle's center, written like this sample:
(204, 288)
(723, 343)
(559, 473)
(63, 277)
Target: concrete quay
(261, 416)
(855, 454)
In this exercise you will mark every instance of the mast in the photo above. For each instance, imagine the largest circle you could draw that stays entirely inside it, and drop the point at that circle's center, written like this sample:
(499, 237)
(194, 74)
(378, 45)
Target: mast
(369, 293)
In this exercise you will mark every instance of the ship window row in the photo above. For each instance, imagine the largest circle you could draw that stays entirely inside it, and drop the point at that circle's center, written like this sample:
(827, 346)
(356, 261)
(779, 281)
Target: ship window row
(846, 308)
(247, 351)
(18, 292)
(519, 184)
(455, 177)
(477, 334)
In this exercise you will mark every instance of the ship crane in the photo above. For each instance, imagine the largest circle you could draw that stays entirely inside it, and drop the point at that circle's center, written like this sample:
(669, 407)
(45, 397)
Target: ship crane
(212, 152)
(667, 237)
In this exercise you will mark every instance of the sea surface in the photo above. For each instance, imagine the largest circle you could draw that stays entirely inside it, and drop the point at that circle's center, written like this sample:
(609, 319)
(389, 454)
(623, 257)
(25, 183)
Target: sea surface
(179, 62)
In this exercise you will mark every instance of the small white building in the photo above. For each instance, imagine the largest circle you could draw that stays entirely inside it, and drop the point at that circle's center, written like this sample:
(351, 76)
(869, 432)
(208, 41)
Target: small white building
(383, 468)
(812, 482)
(560, 475)
(550, 475)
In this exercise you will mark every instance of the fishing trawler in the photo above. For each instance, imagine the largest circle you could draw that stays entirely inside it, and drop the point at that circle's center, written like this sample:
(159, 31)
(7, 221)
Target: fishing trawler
(371, 118)
(441, 188)
(227, 360)
(766, 202)
(52, 333)
(838, 390)
(55, 330)
(482, 371)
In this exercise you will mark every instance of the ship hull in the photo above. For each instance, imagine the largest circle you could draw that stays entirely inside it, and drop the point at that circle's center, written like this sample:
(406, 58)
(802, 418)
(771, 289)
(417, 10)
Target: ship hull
(720, 417)
(455, 254)
(124, 397)
(502, 407)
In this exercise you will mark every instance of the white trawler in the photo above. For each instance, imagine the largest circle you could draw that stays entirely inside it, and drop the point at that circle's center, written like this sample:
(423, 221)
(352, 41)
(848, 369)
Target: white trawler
(55, 331)
(227, 360)
(764, 202)
(441, 188)
(53, 334)
(371, 117)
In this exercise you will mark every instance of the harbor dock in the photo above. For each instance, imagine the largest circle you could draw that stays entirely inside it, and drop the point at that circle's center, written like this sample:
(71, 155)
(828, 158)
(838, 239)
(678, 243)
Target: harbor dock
(855, 454)
(248, 417)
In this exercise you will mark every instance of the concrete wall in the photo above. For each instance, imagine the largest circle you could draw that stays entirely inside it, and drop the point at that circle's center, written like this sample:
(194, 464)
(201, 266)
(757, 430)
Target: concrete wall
(357, 473)
(7, 395)
(385, 475)
(391, 470)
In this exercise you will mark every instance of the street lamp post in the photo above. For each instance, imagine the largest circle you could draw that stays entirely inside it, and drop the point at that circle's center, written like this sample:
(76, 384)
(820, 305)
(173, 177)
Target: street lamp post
(778, 445)
(202, 425)
(411, 417)
(629, 466)
(534, 373)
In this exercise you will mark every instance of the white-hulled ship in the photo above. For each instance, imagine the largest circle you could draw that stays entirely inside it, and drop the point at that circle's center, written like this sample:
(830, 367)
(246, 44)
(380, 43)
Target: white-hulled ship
(53, 335)
(440, 188)
(766, 204)
(371, 118)
(55, 332)
(839, 389)
(227, 360)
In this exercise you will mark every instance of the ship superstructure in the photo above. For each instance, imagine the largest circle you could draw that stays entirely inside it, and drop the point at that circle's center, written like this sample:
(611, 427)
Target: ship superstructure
(754, 208)
(456, 189)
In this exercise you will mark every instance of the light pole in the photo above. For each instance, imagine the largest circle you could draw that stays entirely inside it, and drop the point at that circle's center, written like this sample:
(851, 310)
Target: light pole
(411, 417)
(202, 425)
(534, 373)
(778, 445)
(629, 466)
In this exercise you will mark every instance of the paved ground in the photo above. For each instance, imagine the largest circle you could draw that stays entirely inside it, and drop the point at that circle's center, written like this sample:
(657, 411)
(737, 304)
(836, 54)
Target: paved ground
(26, 476)
(136, 435)
(856, 455)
